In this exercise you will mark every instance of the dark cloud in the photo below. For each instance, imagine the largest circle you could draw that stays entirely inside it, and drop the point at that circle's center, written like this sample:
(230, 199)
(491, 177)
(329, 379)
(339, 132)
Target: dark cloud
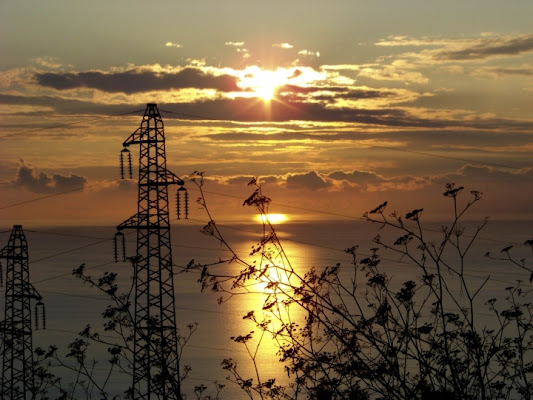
(509, 71)
(444, 142)
(240, 180)
(360, 177)
(296, 74)
(522, 176)
(269, 179)
(310, 180)
(41, 182)
(135, 81)
(69, 106)
(330, 93)
(490, 47)
(127, 185)
(253, 110)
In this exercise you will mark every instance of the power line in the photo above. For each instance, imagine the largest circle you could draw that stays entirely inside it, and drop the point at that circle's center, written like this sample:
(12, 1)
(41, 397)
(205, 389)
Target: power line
(340, 215)
(486, 163)
(106, 299)
(220, 194)
(192, 309)
(71, 250)
(191, 115)
(69, 124)
(58, 194)
(212, 249)
(226, 195)
(63, 234)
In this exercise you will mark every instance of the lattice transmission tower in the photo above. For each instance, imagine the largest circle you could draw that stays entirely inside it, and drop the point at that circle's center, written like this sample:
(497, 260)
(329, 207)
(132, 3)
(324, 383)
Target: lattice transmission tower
(17, 354)
(155, 358)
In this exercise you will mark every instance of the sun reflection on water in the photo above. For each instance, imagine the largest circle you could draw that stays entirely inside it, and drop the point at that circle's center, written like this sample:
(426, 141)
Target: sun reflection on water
(272, 218)
(266, 297)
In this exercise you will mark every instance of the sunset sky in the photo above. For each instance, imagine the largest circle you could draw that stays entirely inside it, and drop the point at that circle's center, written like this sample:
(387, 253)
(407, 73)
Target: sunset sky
(334, 105)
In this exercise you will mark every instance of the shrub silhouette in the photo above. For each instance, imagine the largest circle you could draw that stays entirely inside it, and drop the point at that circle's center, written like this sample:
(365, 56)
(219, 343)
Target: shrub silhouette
(366, 337)
(362, 335)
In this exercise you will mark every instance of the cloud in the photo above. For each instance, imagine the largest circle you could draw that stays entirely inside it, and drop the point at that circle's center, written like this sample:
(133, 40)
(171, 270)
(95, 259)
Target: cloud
(120, 185)
(138, 80)
(172, 44)
(341, 67)
(404, 40)
(358, 184)
(234, 44)
(310, 180)
(239, 180)
(500, 72)
(485, 46)
(309, 53)
(66, 106)
(369, 181)
(42, 182)
(283, 45)
(480, 172)
(488, 47)
(356, 176)
(392, 73)
(51, 62)
(291, 109)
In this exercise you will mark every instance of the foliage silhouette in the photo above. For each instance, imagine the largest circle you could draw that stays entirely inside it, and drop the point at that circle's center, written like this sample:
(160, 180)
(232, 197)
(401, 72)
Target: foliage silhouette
(118, 336)
(363, 335)
(344, 331)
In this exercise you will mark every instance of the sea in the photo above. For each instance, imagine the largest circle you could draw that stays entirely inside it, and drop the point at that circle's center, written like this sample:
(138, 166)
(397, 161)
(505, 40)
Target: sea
(71, 304)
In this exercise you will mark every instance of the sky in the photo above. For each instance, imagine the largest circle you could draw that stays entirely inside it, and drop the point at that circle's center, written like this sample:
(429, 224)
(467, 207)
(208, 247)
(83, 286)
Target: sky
(335, 106)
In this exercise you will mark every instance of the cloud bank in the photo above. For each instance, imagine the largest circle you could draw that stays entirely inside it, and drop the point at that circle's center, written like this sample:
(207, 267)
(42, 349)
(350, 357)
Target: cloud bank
(41, 182)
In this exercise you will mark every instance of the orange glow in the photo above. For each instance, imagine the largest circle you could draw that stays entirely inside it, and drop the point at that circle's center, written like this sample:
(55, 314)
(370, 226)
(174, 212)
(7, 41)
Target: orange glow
(272, 218)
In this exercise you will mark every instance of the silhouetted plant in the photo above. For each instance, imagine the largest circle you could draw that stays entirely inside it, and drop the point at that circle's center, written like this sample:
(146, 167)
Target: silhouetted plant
(363, 336)
(118, 336)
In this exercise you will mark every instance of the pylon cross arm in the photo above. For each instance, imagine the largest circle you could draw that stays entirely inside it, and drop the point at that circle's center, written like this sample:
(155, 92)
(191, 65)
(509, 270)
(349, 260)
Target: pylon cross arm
(173, 179)
(132, 222)
(34, 292)
(139, 136)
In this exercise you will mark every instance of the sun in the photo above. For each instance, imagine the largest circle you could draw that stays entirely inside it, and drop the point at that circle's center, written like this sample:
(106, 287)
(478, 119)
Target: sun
(266, 90)
(272, 218)
(263, 83)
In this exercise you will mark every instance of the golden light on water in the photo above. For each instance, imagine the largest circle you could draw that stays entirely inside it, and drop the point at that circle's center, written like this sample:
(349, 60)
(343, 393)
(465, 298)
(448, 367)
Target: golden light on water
(272, 218)
(266, 300)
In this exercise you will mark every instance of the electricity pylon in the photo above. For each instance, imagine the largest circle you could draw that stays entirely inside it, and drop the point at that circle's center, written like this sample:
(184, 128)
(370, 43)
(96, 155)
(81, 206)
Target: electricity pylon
(17, 368)
(155, 358)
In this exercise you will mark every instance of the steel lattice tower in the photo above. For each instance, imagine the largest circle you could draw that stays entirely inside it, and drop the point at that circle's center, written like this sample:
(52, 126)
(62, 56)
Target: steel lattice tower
(17, 369)
(155, 359)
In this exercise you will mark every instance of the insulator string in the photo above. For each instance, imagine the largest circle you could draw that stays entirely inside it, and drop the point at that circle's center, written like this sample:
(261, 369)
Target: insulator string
(121, 165)
(182, 195)
(40, 306)
(186, 204)
(178, 207)
(44, 317)
(130, 168)
(36, 317)
(122, 246)
(129, 165)
(1, 275)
